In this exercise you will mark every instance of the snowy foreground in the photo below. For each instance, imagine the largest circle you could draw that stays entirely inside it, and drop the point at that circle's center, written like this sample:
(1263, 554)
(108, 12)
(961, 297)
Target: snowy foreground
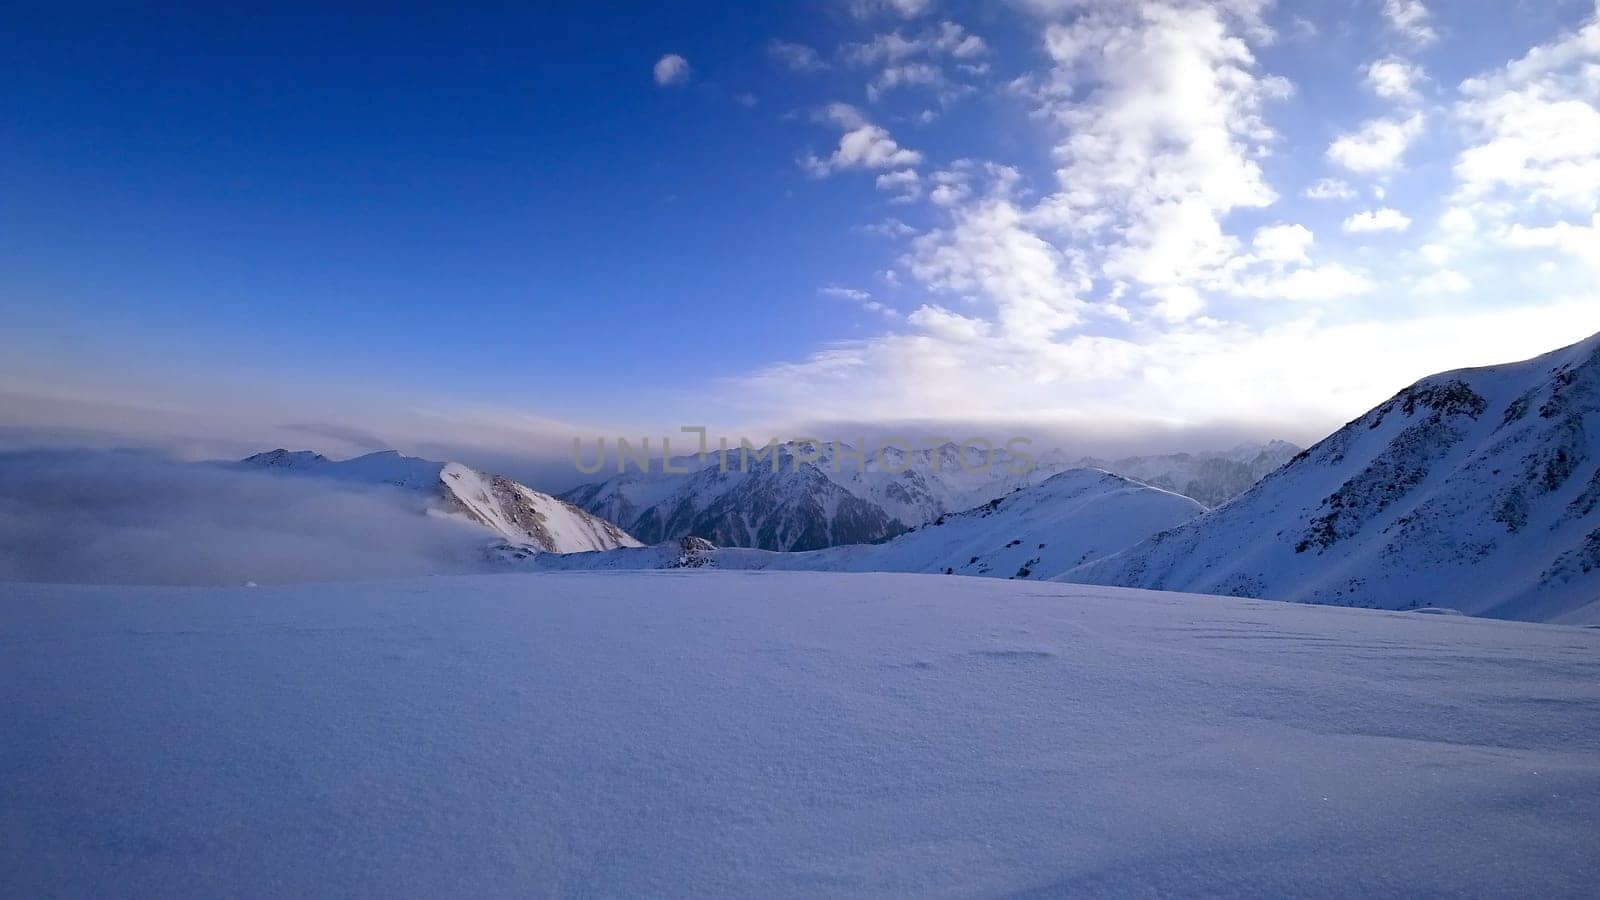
(783, 734)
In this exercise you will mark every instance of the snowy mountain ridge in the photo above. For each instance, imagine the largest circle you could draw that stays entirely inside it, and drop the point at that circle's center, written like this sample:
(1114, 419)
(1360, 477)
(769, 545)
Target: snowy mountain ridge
(1477, 489)
(521, 516)
(1211, 477)
(823, 496)
(1032, 532)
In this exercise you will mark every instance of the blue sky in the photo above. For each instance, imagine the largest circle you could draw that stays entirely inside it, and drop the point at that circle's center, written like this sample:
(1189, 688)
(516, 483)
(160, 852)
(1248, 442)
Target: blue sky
(496, 229)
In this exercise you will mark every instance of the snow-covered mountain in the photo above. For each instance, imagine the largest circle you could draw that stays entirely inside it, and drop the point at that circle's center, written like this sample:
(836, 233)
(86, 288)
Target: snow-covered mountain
(518, 514)
(818, 496)
(1033, 532)
(826, 496)
(793, 508)
(1212, 477)
(1477, 490)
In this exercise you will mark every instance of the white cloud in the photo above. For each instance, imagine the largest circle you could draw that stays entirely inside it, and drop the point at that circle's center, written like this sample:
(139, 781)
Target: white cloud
(1410, 19)
(1458, 222)
(1529, 178)
(1436, 254)
(1122, 289)
(1384, 219)
(796, 57)
(863, 146)
(671, 69)
(946, 39)
(1537, 125)
(1330, 189)
(1283, 243)
(844, 293)
(905, 9)
(1280, 267)
(989, 254)
(1580, 241)
(953, 185)
(904, 75)
(905, 184)
(962, 45)
(941, 323)
(1323, 372)
(1395, 79)
(1444, 281)
(1311, 283)
(889, 228)
(861, 298)
(1162, 136)
(1377, 146)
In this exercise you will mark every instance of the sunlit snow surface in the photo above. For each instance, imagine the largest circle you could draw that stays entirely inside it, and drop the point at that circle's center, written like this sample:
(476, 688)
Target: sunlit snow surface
(783, 734)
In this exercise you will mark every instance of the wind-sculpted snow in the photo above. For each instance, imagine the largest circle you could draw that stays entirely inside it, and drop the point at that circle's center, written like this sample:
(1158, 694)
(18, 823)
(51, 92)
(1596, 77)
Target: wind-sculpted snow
(1478, 490)
(1034, 532)
(718, 734)
(513, 511)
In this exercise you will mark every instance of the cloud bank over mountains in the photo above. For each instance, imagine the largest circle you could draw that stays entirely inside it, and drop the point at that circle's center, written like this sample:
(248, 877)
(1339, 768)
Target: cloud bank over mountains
(135, 518)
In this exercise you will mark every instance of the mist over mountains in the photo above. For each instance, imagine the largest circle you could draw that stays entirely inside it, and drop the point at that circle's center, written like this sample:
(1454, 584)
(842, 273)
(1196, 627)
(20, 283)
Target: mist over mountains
(106, 517)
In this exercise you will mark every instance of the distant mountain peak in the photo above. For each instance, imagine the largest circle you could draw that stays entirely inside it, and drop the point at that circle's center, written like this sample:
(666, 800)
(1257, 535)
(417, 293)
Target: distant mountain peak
(281, 458)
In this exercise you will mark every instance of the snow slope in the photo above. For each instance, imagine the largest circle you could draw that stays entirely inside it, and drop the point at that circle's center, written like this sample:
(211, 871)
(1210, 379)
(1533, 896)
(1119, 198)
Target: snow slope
(1477, 490)
(515, 512)
(784, 735)
(1034, 532)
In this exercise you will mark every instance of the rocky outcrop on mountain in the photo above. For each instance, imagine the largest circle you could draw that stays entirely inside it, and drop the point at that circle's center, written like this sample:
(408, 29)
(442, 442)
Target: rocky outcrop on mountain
(1477, 490)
